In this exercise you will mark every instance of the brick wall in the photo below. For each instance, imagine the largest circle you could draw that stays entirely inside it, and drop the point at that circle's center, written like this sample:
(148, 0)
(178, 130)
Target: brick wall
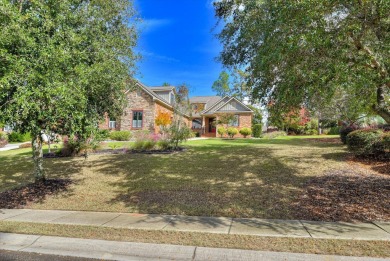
(244, 121)
(139, 101)
(161, 109)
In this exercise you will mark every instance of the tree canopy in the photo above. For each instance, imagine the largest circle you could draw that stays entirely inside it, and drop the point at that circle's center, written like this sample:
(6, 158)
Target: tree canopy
(222, 85)
(298, 52)
(64, 64)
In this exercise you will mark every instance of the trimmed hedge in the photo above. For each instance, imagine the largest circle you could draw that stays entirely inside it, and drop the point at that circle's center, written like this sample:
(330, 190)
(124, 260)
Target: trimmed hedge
(364, 142)
(120, 135)
(257, 130)
(231, 132)
(221, 131)
(245, 132)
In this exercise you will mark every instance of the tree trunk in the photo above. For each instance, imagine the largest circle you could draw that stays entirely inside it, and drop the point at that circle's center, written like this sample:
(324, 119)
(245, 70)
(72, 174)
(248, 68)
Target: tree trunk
(39, 174)
(381, 108)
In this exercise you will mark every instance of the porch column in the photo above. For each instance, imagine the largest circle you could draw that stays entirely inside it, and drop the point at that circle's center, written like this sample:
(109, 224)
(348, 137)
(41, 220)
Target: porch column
(204, 124)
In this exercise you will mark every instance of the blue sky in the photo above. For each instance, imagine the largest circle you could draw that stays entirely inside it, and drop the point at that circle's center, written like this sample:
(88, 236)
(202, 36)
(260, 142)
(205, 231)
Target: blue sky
(178, 45)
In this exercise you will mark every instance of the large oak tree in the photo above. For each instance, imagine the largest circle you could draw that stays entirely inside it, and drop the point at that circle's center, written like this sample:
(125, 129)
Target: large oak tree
(297, 52)
(63, 65)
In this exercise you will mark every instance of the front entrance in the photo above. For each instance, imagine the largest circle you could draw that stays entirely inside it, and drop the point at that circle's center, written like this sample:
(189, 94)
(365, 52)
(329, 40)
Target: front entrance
(212, 125)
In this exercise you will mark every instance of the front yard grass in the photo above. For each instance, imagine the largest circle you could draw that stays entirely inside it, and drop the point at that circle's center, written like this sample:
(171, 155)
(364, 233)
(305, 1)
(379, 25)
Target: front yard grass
(284, 178)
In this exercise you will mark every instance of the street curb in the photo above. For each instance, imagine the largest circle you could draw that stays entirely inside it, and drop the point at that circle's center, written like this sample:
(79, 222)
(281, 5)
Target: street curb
(115, 250)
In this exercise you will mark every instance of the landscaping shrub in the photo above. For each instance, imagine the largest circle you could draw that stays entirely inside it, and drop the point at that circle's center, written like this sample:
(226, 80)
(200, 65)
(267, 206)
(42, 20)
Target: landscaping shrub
(365, 142)
(178, 132)
(245, 132)
(345, 130)
(164, 144)
(311, 132)
(3, 139)
(120, 135)
(72, 146)
(386, 142)
(334, 131)
(274, 134)
(221, 131)
(102, 135)
(19, 137)
(231, 132)
(257, 130)
(25, 145)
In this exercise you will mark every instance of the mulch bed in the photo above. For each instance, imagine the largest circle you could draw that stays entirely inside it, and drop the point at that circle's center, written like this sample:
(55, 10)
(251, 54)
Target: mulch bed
(345, 196)
(32, 193)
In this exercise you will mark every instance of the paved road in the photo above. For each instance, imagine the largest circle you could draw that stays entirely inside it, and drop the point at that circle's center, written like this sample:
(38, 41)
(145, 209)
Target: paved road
(24, 256)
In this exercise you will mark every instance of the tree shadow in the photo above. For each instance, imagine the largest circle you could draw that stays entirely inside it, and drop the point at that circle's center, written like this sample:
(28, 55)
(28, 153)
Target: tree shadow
(345, 195)
(18, 189)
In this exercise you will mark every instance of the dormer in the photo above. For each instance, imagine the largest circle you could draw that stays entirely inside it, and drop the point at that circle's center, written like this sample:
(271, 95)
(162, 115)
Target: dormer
(167, 93)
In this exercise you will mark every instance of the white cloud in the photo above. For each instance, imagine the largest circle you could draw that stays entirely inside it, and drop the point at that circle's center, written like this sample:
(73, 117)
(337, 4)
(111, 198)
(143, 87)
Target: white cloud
(159, 57)
(148, 25)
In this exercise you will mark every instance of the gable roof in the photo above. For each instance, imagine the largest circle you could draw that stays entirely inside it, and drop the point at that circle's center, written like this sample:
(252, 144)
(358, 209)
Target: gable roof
(208, 101)
(161, 88)
(228, 104)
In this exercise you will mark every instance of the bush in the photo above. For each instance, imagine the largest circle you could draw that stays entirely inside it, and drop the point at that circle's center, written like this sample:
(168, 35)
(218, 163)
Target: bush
(245, 132)
(3, 139)
(147, 144)
(274, 134)
(19, 137)
(257, 130)
(221, 131)
(25, 145)
(164, 144)
(231, 132)
(334, 131)
(385, 143)
(364, 142)
(71, 147)
(311, 132)
(120, 135)
(344, 131)
(102, 135)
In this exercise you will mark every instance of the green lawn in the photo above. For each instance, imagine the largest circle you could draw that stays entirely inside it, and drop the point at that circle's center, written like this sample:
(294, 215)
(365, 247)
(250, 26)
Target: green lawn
(234, 178)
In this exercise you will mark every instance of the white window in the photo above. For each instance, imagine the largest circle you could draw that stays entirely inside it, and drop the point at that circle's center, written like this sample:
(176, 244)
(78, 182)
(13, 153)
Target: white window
(137, 119)
(235, 121)
(112, 124)
(172, 97)
(138, 93)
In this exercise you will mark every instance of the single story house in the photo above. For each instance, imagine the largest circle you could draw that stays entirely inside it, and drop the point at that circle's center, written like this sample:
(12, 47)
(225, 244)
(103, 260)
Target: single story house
(145, 103)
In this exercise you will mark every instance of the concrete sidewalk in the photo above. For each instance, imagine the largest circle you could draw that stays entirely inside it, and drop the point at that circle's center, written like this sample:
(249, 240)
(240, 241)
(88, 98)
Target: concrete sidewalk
(11, 146)
(113, 250)
(221, 225)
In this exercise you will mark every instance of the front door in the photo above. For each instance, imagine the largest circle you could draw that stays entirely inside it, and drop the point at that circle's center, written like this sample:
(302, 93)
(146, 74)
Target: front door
(212, 124)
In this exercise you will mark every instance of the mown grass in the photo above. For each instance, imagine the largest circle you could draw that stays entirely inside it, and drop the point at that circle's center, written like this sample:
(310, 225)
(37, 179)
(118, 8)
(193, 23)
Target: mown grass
(280, 244)
(215, 177)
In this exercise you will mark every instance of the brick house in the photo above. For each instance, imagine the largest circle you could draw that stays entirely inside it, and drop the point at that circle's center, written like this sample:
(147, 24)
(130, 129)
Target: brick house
(145, 103)
(206, 111)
